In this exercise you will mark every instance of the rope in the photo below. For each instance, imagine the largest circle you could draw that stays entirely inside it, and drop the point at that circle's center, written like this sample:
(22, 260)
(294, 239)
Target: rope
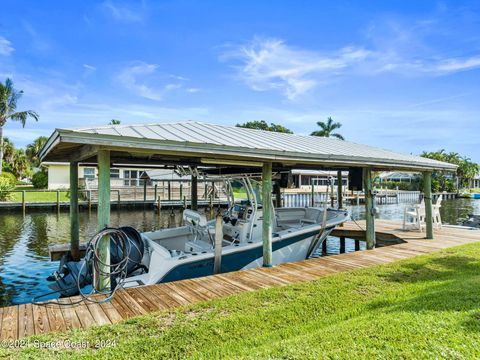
(117, 270)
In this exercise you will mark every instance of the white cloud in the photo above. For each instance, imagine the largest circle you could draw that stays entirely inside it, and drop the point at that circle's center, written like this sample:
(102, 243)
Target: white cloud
(454, 65)
(89, 67)
(267, 64)
(6, 47)
(143, 79)
(193, 90)
(122, 12)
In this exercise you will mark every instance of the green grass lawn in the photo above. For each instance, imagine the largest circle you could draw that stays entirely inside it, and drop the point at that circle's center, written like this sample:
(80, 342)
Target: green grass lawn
(37, 196)
(427, 307)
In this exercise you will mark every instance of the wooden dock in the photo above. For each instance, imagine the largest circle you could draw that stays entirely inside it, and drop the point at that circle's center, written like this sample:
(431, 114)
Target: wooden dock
(29, 319)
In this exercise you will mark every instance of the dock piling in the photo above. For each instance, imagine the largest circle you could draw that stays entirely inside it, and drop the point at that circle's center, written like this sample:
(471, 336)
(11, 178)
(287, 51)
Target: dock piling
(102, 279)
(427, 190)
(194, 192)
(74, 215)
(369, 204)
(217, 265)
(267, 213)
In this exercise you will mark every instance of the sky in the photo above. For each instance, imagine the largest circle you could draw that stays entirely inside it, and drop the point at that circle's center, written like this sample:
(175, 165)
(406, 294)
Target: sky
(401, 75)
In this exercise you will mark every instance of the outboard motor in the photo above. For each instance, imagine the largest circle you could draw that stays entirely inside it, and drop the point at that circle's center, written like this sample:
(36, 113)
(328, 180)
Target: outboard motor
(126, 248)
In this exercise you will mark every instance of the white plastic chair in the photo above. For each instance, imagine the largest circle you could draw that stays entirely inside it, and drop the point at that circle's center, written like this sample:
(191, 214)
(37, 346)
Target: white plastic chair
(437, 219)
(414, 216)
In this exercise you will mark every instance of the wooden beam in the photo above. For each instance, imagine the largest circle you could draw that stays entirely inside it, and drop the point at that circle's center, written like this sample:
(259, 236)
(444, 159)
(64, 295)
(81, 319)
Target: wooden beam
(74, 217)
(427, 193)
(103, 214)
(267, 213)
(85, 152)
(369, 217)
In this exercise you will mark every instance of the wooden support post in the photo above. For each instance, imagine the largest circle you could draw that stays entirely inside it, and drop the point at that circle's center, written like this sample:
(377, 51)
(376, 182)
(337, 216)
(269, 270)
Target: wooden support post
(332, 199)
(369, 217)
(159, 205)
(144, 190)
(342, 244)
(74, 217)
(339, 189)
(194, 194)
(357, 245)
(155, 191)
(312, 200)
(169, 190)
(58, 200)
(267, 213)
(278, 196)
(102, 282)
(324, 247)
(427, 193)
(24, 205)
(217, 264)
(181, 191)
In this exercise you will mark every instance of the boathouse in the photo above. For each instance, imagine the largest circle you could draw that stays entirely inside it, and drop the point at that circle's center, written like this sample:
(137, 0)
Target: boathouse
(228, 149)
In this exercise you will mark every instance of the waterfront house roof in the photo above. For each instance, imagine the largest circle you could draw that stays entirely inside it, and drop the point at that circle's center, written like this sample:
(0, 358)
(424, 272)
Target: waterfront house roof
(197, 143)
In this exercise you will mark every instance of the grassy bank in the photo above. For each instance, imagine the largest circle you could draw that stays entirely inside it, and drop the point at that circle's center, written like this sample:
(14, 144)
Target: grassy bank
(37, 196)
(427, 307)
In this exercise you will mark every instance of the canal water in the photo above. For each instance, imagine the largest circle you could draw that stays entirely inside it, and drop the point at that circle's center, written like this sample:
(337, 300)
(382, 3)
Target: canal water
(24, 260)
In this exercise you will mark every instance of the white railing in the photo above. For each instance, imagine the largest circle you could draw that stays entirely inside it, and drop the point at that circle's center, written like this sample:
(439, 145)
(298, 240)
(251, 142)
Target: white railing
(302, 199)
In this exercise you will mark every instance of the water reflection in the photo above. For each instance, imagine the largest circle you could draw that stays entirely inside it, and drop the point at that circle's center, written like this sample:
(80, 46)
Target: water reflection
(24, 261)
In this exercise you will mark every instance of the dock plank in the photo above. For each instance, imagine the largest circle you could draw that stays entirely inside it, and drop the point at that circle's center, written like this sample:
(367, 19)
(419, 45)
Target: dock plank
(40, 319)
(10, 323)
(25, 320)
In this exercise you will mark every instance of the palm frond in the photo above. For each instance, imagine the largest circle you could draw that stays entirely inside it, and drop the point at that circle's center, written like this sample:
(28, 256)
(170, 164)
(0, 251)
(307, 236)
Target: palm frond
(22, 116)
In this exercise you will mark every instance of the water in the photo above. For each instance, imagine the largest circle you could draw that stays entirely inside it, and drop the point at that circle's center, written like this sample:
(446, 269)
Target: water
(24, 259)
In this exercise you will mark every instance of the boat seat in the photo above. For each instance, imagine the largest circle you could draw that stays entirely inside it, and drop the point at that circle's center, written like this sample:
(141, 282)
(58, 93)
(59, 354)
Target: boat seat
(198, 225)
(194, 218)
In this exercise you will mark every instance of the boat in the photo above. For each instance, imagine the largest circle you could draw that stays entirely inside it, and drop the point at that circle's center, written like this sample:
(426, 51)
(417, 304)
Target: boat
(475, 195)
(472, 221)
(189, 251)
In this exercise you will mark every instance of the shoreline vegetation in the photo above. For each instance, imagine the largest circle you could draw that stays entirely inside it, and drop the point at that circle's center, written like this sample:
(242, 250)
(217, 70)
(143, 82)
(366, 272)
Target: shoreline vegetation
(425, 307)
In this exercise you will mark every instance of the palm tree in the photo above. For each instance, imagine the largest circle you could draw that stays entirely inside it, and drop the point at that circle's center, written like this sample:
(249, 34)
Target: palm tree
(327, 129)
(20, 165)
(33, 150)
(8, 104)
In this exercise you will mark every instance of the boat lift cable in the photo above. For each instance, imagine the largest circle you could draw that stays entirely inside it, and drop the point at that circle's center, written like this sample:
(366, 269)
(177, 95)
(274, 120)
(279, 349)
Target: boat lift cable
(116, 270)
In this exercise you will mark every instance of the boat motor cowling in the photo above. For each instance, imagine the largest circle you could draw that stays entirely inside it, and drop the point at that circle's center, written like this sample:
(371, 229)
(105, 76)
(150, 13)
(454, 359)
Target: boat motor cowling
(134, 248)
(126, 253)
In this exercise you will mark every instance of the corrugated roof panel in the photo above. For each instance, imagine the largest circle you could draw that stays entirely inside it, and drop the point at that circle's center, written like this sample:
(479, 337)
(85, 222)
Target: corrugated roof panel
(269, 144)
(147, 133)
(106, 131)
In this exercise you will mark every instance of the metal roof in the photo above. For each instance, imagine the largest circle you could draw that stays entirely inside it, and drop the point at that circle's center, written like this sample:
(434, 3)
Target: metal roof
(195, 140)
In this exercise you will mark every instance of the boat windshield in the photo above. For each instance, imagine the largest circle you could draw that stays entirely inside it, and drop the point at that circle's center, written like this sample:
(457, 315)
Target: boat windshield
(257, 191)
(246, 189)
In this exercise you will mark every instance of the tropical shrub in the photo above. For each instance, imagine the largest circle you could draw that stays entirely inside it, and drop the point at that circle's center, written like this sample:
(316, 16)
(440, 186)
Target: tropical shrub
(40, 180)
(6, 183)
(10, 177)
